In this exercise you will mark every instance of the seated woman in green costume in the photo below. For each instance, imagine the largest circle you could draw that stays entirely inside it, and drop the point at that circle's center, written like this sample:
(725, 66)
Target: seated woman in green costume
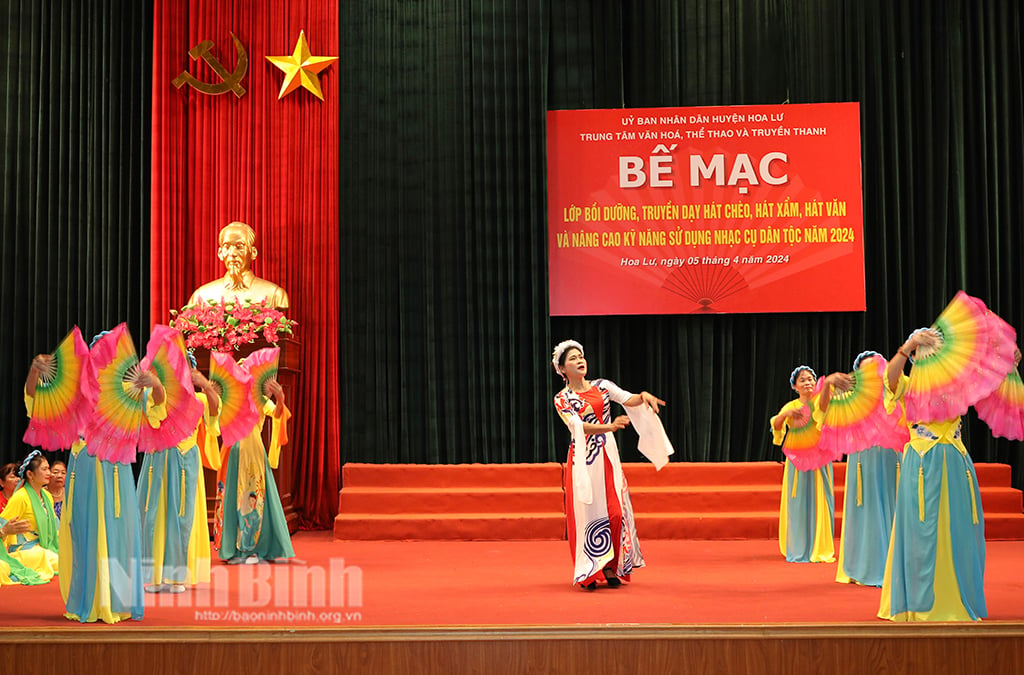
(11, 569)
(33, 550)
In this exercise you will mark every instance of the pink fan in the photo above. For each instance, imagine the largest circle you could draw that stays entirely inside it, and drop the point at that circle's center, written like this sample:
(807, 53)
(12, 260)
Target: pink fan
(1002, 342)
(262, 365)
(238, 414)
(1003, 410)
(165, 356)
(973, 356)
(113, 432)
(801, 444)
(856, 419)
(60, 410)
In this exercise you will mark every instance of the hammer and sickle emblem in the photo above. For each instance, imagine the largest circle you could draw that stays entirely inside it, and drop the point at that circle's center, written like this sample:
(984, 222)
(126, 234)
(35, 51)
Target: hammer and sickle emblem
(229, 81)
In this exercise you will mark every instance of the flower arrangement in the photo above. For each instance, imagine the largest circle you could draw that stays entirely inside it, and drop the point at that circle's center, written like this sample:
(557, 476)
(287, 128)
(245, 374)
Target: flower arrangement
(225, 326)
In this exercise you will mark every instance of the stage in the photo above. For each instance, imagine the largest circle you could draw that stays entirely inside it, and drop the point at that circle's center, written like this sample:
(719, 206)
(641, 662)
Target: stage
(507, 606)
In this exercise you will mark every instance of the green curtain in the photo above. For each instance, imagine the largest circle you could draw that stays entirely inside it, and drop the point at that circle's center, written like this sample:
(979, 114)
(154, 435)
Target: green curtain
(445, 354)
(74, 157)
(445, 332)
(443, 279)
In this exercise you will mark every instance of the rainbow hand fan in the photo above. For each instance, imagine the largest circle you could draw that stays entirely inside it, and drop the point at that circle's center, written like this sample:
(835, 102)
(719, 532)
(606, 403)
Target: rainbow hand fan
(856, 420)
(238, 414)
(1002, 340)
(262, 365)
(801, 444)
(1003, 409)
(60, 409)
(973, 356)
(113, 432)
(165, 355)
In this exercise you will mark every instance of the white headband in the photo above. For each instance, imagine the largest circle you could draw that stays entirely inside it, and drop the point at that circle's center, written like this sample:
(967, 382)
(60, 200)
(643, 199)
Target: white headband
(560, 349)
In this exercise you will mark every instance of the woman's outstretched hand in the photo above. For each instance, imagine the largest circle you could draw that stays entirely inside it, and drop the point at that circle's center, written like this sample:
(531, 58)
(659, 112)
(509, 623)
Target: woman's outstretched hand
(15, 526)
(273, 389)
(651, 400)
(841, 382)
(797, 415)
(620, 422)
(927, 337)
(43, 363)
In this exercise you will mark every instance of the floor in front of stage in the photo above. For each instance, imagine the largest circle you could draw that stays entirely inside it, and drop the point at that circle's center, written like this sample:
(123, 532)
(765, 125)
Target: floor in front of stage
(366, 584)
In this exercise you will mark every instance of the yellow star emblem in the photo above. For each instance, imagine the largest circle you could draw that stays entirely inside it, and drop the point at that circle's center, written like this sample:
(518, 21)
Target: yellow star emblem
(301, 69)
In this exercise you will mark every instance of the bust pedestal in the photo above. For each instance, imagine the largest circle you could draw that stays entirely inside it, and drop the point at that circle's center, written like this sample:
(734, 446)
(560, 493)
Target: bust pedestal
(288, 375)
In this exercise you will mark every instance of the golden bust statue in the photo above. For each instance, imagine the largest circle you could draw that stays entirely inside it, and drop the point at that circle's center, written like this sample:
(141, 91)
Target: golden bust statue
(237, 251)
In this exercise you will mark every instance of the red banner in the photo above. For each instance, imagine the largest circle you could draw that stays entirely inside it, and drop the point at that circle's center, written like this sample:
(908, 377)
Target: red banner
(721, 209)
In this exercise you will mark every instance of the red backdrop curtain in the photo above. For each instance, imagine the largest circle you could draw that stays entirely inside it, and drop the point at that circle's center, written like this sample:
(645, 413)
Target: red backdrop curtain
(267, 162)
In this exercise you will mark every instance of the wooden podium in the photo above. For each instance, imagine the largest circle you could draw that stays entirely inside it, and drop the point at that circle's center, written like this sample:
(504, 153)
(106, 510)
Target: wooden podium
(288, 375)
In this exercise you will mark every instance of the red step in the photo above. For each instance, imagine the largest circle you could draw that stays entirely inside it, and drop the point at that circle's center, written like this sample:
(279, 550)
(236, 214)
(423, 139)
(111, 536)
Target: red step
(453, 500)
(450, 526)
(688, 500)
(762, 525)
(437, 476)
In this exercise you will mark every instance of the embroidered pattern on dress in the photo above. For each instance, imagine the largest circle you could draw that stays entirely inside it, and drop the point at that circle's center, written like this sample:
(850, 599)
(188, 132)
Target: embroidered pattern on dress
(597, 539)
(921, 431)
(595, 442)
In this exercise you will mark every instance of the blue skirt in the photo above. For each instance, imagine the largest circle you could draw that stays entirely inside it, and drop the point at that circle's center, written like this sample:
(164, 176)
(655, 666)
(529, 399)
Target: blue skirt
(807, 515)
(102, 521)
(868, 505)
(935, 570)
(167, 505)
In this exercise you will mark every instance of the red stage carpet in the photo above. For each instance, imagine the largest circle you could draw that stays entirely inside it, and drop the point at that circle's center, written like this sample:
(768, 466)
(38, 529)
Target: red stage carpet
(506, 605)
(516, 583)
